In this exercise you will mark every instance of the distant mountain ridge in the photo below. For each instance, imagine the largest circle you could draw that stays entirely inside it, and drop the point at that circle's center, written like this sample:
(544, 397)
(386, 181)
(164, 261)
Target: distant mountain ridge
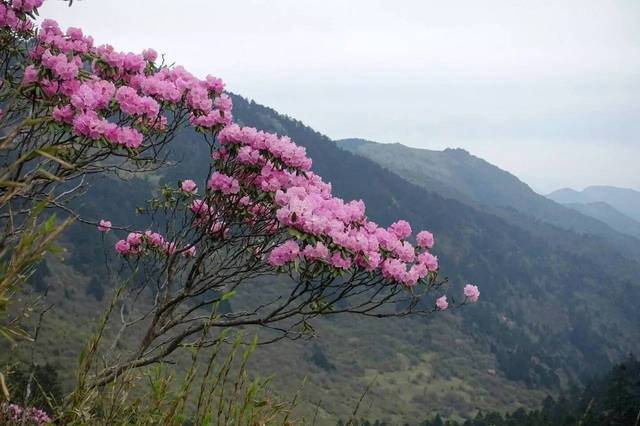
(609, 215)
(625, 200)
(450, 172)
(457, 174)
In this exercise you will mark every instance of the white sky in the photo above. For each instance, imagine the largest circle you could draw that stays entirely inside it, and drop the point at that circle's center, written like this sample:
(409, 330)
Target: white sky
(548, 90)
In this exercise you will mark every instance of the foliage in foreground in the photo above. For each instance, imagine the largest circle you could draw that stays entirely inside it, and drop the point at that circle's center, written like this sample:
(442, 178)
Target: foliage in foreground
(216, 389)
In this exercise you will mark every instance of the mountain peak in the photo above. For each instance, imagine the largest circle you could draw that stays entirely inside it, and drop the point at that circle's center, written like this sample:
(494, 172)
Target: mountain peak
(460, 151)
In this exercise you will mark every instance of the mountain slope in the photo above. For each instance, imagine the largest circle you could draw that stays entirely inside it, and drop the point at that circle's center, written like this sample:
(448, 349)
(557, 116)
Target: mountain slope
(625, 200)
(554, 304)
(607, 214)
(457, 174)
(569, 196)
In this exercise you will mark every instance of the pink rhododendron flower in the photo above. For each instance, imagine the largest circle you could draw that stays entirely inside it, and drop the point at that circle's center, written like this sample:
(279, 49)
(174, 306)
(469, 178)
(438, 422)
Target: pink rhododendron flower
(340, 261)
(134, 238)
(198, 98)
(131, 138)
(154, 239)
(169, 247)
(60, 65)
(26, 416)
(150, 55)
(248, 155)
(400, 229)
(189, 186)
(284, 253)
(104, 226)
(442, 303)
(26, 5)
(429, 260)
(471, 292)
(133, 104)
(49, 87)
(214, 84)
(123, 247)
(200, 207)
(319, 251)
(419, 271)
(405, 252)
(223, 102)
(394, 269)
(223, 183)
(92, 95)
(63, 114)
(425, 239)
(30, 75)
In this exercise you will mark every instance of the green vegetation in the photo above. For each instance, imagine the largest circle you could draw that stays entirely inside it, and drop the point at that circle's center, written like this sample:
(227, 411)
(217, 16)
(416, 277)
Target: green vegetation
(608, 400)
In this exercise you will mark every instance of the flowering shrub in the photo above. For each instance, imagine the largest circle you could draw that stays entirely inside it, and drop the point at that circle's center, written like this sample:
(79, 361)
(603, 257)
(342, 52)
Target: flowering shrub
(109, 98)
(264, 212)
(264, 179)
(14, 415)
(69, 108)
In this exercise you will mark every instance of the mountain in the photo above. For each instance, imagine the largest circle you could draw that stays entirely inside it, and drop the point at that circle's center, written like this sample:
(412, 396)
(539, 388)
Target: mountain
(555, 304)
(452, 172)
(607, 214)
(455, 173)
(625, 200)
(570, 196)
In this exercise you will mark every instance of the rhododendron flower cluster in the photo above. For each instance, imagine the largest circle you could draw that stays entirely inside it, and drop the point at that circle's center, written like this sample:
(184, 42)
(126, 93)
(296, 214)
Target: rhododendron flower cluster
(471, 292)
(441, 303)
(13, 14)
(104, 225)
(255, 165)
(189, 186)
(284, 253)
(108, 96)
(223, 183)
(425, 239)
(24, 416)
(138, 243)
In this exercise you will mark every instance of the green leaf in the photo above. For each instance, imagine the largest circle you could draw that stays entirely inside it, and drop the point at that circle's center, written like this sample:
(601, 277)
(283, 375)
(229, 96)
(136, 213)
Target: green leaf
(228, 295)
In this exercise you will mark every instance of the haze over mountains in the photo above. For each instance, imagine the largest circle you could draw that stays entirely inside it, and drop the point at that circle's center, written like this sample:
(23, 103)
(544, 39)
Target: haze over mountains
(559, 290)
(618, 207)
(455, 173)
(625, 200)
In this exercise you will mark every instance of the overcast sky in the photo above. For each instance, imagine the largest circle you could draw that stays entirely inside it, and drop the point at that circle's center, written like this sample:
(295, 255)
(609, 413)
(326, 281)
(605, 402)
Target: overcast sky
(548, 90)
